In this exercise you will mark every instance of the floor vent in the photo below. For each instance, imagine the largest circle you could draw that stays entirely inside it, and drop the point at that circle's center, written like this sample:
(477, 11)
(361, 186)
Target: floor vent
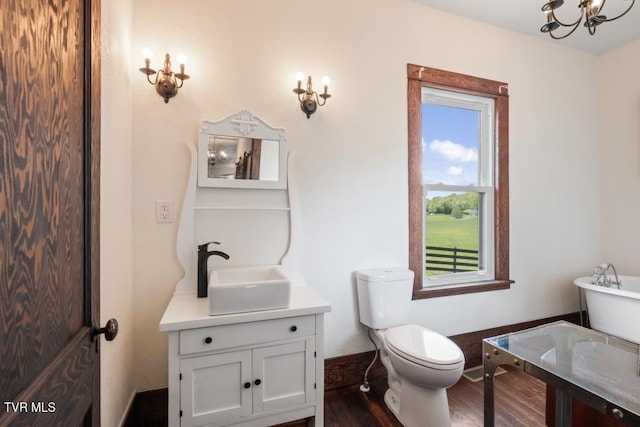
(475, 374)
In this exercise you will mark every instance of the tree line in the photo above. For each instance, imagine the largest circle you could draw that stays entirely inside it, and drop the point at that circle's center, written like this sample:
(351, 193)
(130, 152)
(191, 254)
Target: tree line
(453, 204)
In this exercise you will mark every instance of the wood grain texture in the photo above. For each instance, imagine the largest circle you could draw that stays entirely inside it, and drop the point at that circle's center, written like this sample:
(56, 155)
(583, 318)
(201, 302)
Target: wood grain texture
(45, 348)
(67, 383)
(41, 186)
(92, 126)
(460, 82)
(348, 370)
(416, 235)
(520, 402)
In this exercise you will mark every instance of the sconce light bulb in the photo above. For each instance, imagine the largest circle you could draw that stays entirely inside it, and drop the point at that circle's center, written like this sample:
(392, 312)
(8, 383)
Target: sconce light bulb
(326, 80)
(182, 59)
(147, 53)
(299, 76)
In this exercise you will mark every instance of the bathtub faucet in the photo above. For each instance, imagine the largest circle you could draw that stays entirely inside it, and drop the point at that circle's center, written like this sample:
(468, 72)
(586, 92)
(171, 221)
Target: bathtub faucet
(600, 277)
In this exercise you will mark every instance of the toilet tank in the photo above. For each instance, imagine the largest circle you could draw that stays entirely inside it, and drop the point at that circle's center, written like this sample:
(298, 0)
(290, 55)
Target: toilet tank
(384, 295)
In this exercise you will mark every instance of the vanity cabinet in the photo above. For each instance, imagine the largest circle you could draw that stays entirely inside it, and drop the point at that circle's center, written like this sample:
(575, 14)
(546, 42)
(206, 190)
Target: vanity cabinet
(235, 382)
(251, 369)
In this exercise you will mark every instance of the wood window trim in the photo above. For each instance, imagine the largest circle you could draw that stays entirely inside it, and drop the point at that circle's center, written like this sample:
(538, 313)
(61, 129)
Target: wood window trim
(419, 77)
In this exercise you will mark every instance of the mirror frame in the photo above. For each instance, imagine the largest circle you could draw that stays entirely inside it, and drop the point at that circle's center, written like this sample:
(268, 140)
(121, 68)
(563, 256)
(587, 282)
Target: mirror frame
(241, 125)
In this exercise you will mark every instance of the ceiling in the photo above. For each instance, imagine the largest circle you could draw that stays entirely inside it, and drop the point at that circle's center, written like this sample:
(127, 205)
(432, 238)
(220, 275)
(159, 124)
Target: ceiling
(526, 17)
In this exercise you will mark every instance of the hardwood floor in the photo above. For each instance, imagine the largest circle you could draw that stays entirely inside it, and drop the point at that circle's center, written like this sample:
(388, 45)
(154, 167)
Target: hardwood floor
(519, 401)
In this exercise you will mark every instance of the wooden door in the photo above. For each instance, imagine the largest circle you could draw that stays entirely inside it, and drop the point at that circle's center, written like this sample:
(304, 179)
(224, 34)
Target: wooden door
(49, 201)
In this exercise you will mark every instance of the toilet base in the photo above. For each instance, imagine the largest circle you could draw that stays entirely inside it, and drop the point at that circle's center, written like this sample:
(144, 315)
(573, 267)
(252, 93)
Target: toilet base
(419, 407)
(392, 402)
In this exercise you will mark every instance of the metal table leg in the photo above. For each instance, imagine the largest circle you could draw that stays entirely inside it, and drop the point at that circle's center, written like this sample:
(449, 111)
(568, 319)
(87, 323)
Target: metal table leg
(494, 357)
(489, 369)
(563, 409)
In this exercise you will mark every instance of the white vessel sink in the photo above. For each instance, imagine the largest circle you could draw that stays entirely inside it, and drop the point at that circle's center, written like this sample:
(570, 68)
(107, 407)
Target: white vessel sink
(244, 289)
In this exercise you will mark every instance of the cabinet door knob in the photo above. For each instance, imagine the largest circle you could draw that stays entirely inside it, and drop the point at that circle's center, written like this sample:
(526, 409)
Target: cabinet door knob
(293, 328)
(208, 340)
(247, 385)
(257, 382)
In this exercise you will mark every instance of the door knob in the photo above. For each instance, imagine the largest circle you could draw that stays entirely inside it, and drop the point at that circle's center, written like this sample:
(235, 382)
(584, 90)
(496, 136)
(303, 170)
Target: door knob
(110, 330)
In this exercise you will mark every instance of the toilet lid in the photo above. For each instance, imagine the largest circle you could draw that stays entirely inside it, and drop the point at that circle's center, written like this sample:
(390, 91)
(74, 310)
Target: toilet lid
(422, 345)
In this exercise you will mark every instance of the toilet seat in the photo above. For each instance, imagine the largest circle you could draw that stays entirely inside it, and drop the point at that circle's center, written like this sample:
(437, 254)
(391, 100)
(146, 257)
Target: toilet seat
(424, 347)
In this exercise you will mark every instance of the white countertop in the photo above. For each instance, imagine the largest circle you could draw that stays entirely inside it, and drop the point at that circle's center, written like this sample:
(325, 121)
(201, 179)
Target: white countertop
(186, 311)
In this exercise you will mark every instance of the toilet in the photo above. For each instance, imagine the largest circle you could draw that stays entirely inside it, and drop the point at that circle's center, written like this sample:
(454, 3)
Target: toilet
(421, 364)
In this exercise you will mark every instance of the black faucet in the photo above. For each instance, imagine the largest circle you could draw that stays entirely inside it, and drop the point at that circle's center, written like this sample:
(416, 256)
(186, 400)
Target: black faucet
(203, 256)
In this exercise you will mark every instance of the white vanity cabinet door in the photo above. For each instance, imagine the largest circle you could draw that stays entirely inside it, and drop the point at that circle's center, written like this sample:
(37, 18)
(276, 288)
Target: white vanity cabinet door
(215, 388)
(227, 386)
(284, 375)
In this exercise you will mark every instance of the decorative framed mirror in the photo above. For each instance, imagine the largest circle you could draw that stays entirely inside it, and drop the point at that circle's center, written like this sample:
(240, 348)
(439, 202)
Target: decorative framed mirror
(242, 151)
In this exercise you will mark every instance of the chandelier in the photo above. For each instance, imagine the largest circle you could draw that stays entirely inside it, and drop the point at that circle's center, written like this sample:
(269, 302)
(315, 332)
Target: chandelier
(590, 11)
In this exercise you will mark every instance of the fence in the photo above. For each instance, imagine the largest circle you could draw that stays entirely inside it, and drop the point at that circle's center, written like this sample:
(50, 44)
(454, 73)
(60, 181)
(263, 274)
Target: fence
(450, 260)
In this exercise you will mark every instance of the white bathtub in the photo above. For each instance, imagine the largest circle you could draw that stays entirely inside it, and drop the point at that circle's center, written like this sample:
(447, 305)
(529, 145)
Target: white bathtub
(614, 311)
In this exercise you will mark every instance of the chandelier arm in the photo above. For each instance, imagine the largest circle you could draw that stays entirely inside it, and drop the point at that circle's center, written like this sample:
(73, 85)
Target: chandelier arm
(324, 100)
(314, 96)
(576, 23)
(566, 35)
(619, 16)
(155, 80)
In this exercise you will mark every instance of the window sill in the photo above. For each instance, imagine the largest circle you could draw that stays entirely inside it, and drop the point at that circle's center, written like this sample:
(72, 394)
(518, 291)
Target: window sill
(493, 285)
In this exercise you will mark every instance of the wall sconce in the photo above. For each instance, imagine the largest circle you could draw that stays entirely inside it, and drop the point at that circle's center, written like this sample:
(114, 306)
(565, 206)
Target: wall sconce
(310, 100)
(166, 82)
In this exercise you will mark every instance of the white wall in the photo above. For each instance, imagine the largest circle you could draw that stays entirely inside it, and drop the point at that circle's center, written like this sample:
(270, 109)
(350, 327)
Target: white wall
(619, 135)
(352, 154)
(116, 226)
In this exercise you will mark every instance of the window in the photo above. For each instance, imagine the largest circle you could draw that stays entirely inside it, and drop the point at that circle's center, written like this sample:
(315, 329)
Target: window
(458, 183)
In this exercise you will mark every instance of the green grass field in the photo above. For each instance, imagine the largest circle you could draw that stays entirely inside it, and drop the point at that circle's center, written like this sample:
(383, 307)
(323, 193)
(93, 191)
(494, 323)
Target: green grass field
(448, 232)
(444, 230)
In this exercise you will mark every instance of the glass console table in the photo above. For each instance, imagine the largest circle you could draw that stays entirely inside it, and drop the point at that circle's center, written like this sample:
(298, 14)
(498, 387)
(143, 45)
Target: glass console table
(600, 370)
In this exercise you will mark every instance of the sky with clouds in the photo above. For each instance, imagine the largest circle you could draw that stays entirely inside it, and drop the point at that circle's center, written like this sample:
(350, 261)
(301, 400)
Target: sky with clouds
(449, 145)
